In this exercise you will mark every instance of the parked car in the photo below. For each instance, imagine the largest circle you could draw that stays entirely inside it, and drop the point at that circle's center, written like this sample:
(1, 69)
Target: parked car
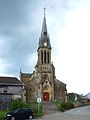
(20, 114)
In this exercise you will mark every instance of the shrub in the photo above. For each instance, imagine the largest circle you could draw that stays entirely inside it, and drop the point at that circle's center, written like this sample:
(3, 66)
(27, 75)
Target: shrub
(58, 104)
(67, 105)
(18, 103)
(34, 107)
(64, 106)
(2, 115)
(15, 104)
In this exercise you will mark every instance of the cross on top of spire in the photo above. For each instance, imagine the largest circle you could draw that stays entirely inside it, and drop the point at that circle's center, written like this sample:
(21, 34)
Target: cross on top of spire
(44, 10)
(44, 26)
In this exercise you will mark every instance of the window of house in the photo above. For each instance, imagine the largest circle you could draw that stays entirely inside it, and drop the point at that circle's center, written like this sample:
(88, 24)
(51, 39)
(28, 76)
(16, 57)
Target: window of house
(5, 90)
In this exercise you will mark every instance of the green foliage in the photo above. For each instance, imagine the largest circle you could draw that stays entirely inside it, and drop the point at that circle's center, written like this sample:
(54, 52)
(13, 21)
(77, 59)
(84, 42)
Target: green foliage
(72, 97)
(64, 106)
(58, 104)
(15, 104)
(34, 107)
(61, 108)
(67, 105)
(18, 103)
(2, 115)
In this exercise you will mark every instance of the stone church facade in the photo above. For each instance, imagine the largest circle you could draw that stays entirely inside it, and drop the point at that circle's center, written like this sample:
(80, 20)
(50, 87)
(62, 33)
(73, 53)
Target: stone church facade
(42, 82)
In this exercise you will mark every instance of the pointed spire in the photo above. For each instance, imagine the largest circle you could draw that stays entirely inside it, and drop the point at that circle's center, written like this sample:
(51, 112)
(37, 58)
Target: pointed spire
(44, 34)
(44, 26)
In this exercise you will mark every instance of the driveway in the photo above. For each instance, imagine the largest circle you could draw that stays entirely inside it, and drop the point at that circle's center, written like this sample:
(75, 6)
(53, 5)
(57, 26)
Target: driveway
(81, 113)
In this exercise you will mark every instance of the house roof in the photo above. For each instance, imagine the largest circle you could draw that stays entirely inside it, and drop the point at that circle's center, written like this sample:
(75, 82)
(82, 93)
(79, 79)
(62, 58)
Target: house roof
(10, 81)
(26, 74)
(87, 96)
(56, 80)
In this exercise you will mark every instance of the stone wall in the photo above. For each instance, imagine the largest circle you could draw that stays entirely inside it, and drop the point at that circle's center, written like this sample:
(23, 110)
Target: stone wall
(59, 91)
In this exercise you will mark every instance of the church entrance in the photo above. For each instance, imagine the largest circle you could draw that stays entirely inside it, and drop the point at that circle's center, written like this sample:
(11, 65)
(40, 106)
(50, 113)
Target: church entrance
(46, 96)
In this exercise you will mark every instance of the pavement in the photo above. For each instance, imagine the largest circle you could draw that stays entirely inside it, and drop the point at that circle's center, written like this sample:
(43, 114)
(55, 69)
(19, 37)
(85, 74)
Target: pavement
(81, 113)
(49, 107)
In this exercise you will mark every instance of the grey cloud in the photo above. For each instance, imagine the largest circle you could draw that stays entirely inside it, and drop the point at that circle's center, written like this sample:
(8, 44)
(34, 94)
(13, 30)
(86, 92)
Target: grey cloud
(20, 24)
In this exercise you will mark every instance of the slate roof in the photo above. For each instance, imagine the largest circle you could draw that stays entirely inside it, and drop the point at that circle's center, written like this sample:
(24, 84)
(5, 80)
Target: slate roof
(44, 26)
(10, 81)
(26, 74)
(56, 80)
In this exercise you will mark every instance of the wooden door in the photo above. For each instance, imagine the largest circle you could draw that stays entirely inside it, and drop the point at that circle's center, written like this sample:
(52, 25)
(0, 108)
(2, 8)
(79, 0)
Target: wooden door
(46, 96)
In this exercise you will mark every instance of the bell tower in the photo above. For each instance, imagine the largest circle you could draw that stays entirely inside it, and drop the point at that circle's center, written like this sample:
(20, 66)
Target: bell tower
(44, 69)
(44, 46)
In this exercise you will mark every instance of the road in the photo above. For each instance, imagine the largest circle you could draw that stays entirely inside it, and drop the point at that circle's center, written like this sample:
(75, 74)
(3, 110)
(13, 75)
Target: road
(81, 113)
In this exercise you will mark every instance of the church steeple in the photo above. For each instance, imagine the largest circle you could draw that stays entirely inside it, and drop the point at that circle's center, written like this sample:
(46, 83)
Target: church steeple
(44, 47)
(44, 40)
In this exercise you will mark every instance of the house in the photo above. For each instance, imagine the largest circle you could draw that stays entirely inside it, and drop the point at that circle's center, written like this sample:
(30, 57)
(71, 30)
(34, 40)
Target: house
(10, 88)
(86, 98)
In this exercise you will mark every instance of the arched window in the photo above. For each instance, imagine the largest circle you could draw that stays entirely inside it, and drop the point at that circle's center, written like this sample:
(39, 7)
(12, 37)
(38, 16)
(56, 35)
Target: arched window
(41, 56)
(45, 56)
(48, 56)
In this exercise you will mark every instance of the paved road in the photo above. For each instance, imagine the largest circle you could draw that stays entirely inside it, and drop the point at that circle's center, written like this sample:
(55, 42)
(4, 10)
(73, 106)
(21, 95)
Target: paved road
(82, 113)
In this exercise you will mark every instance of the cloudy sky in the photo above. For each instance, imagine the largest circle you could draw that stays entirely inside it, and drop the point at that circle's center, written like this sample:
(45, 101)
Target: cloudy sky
(68, 23)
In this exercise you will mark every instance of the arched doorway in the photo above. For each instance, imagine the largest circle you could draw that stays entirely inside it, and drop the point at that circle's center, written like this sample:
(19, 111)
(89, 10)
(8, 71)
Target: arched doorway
(46, 96)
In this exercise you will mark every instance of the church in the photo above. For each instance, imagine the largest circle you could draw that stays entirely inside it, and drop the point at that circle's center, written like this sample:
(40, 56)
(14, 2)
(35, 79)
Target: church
(42, 82)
